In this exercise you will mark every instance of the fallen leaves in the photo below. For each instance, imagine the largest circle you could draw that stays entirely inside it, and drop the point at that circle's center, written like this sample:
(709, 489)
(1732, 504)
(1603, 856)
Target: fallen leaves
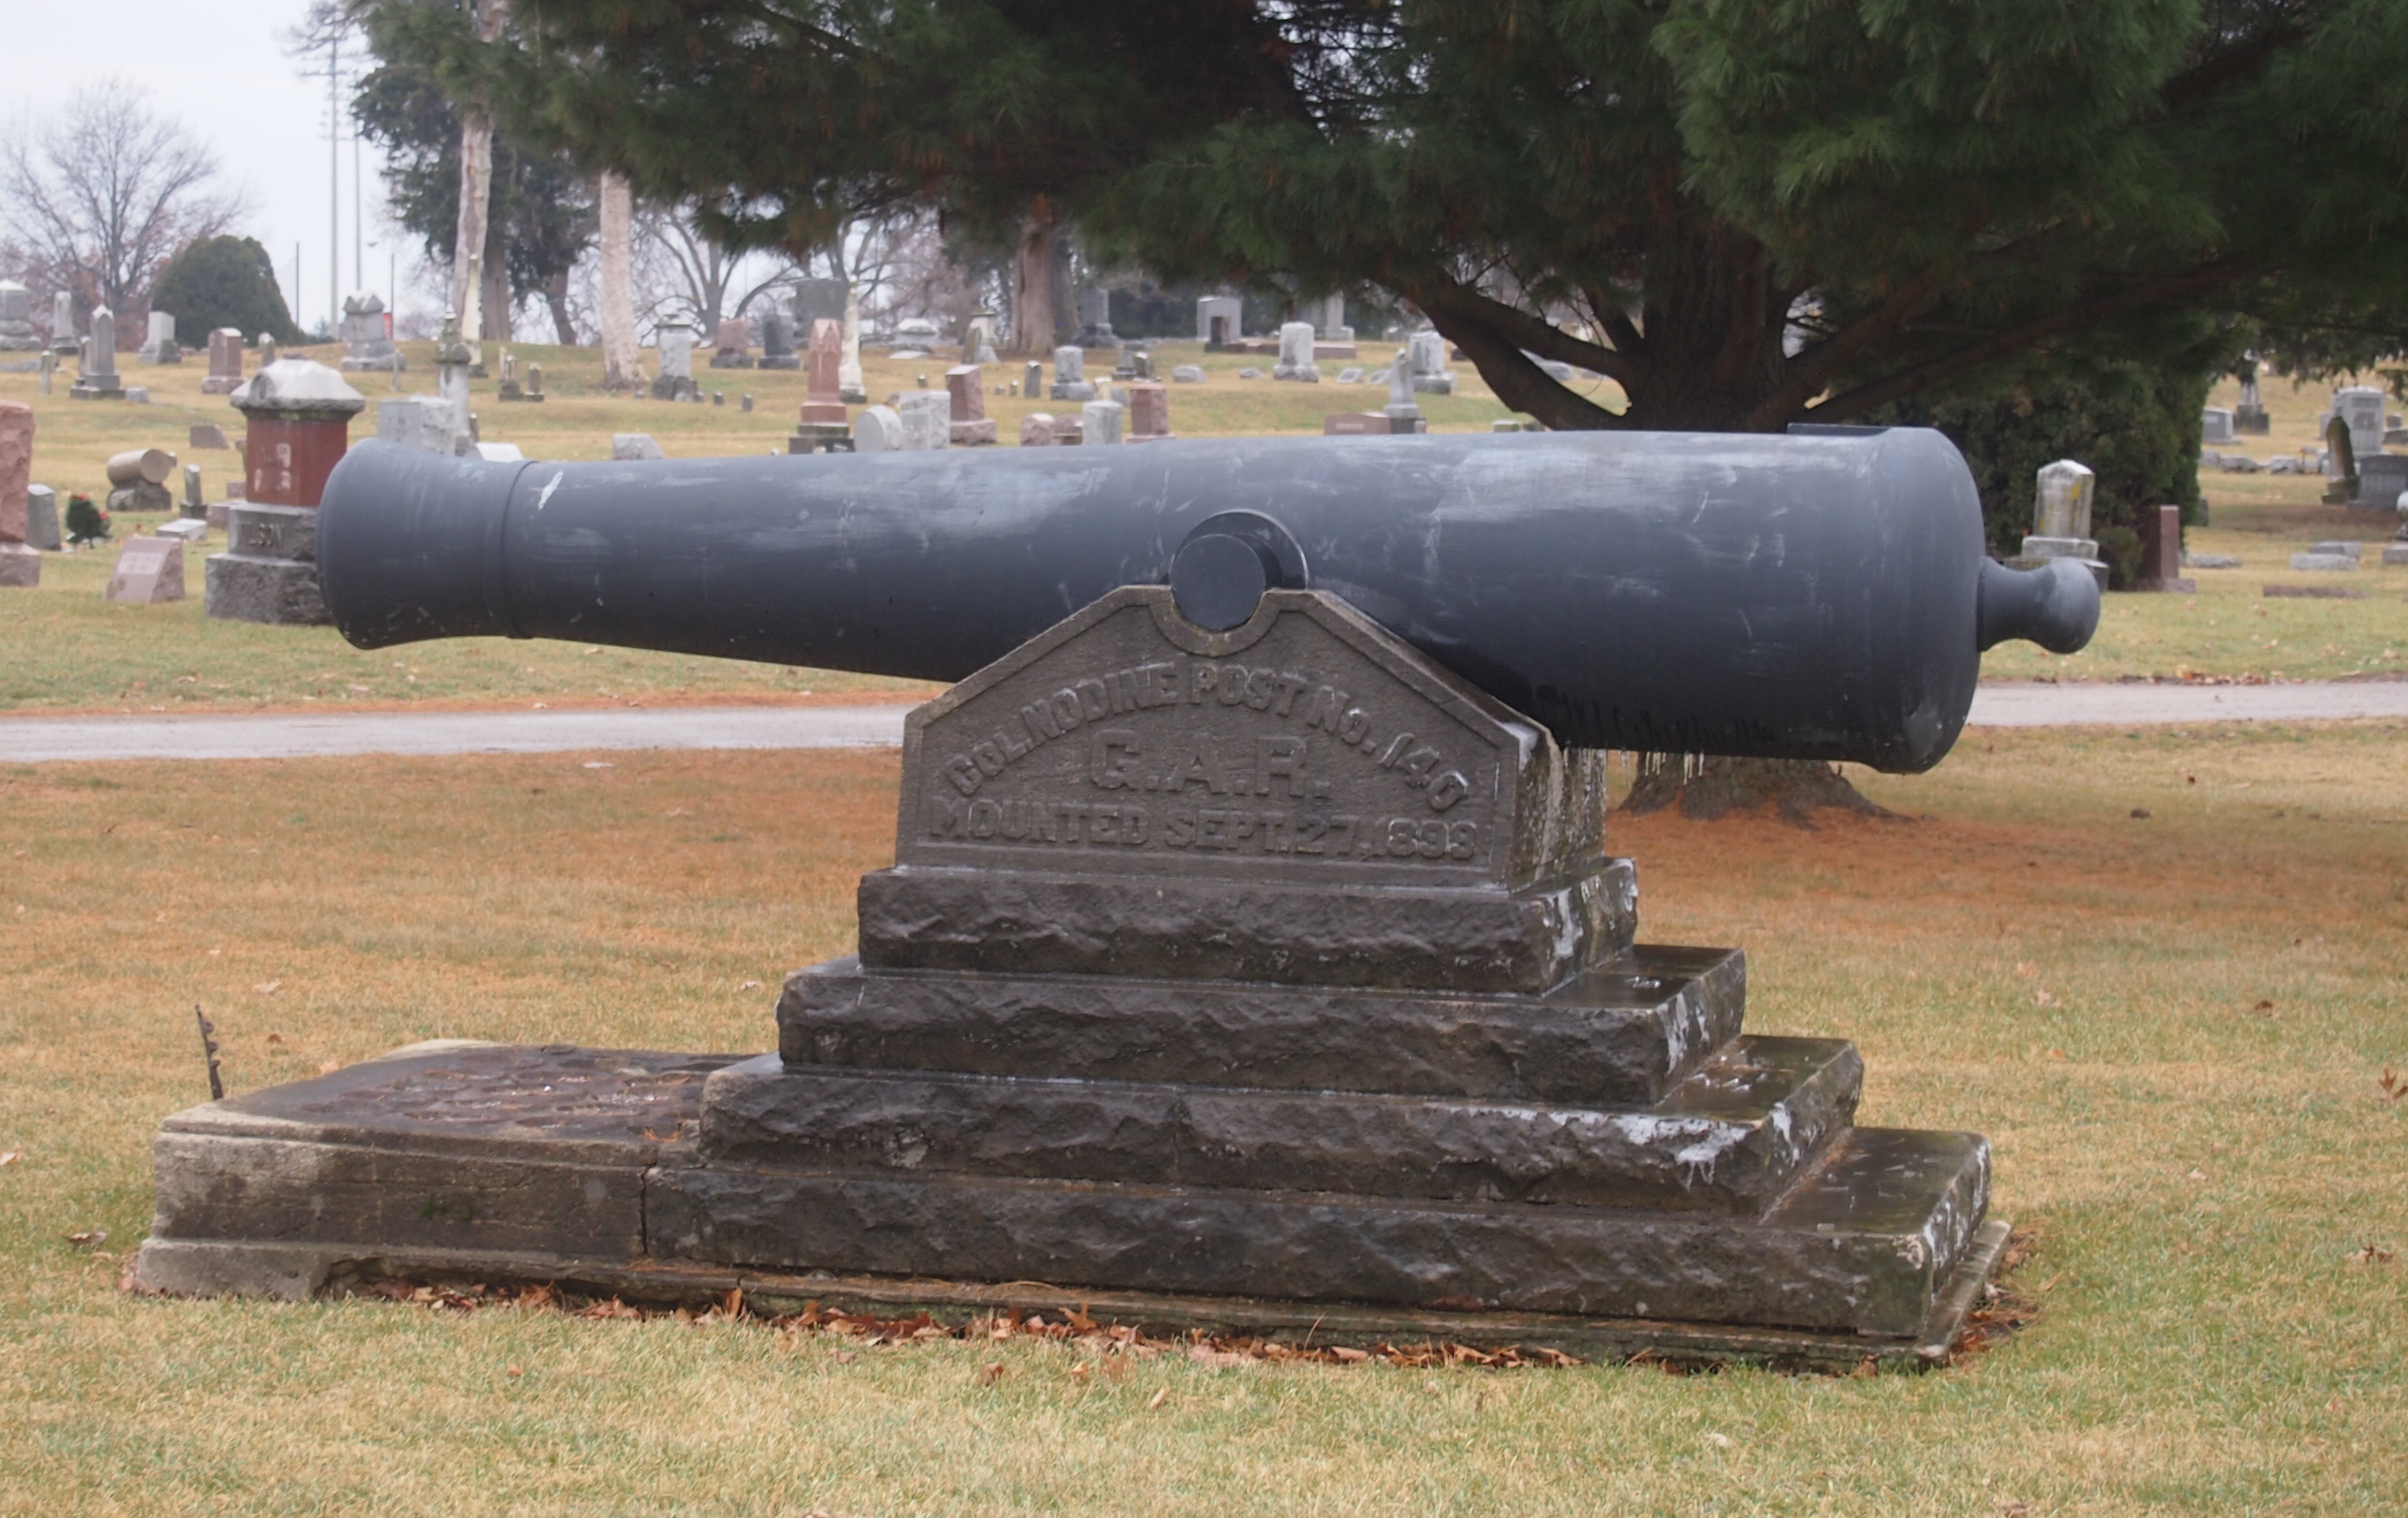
(266, 988)
(2391, 1085)
(89, 1238)
(990, 1373)
(2371, 1253)
(11, 1157)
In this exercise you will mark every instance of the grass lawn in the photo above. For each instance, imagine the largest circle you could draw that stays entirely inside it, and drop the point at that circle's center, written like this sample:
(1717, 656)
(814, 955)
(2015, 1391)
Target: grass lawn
(76, 653)
(2173, 1027)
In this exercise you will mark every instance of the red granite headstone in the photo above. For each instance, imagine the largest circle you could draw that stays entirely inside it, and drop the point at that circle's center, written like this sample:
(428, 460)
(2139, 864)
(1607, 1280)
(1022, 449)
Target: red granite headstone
(1149, 412)
(970, 424)
(825, 402)
(299, 415)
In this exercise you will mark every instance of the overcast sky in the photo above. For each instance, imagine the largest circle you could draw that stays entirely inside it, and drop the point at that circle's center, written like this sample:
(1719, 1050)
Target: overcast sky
(218, 67)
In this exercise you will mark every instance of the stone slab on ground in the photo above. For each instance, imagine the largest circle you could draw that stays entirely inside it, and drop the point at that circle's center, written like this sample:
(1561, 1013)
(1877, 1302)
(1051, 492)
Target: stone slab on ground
(1625, 1032)
(1861, 1245)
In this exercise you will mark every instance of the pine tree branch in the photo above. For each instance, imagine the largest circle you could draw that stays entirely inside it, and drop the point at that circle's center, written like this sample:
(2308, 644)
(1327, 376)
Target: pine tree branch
(1947, 366)
(1519, 382)
(1808, 371)
(1536, 335)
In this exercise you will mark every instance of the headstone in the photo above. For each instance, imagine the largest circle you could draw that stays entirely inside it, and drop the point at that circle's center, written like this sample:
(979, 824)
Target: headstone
(1217, 319)
(2210, 561)
(42, 519)
(225, 363)
(1142, 362)
(1427, 353)
(849, 386)
(675, 381)
(2381, 478)
(718, 397)
(628, 447)
(21, 564)
(150, 571)
(744, 403)
(1350, 375)
(1329, 318)
(2215, 425)
(732, 344)
(1295, 354)
(299, 419)
(927, 419)
(500, 453)
(2061, 520)
(777, 340)
(969, 424)
(191, 529)
(428, 423)
(138, 480)
(1249, 372)
(1355, 424)
(137, 395)
(2249, 413)
(50, 366)
(1032, 379)
(2361, 407)
(62, 332)
(878, 429)
(1070, 376)
(159, 343)
(97, 376)
(2161, 554)
(367, 337)
(1037, 430)
(1095, 319)
(1403, 412)
(17, 319)
(2395, 553)
(534, 391)
(1100, 421)
(2325, 562)
(195, 504)
(2341, 462)
(1149, 412)
(814, 300)
(267, 354)
(1186, 374)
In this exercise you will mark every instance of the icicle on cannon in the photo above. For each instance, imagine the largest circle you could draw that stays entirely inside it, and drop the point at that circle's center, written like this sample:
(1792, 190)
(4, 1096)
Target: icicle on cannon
(1251, 956)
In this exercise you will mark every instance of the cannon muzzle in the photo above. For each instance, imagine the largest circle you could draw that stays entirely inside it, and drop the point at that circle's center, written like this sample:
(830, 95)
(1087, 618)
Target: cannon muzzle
(1822, 597)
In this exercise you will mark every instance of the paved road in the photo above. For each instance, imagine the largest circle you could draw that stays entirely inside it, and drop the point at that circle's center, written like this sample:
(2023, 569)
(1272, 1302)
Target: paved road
(281, 735)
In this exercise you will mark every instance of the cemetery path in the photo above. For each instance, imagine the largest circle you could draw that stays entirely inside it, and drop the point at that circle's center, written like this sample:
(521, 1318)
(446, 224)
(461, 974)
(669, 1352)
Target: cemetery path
(288, 736)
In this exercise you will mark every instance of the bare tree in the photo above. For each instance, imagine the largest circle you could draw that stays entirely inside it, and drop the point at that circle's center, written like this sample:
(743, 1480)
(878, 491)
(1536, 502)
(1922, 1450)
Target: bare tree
(686, 267)
(97, 201)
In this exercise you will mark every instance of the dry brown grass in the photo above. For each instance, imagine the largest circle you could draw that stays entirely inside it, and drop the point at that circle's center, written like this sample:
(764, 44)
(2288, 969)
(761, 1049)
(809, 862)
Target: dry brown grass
(2203, 1171)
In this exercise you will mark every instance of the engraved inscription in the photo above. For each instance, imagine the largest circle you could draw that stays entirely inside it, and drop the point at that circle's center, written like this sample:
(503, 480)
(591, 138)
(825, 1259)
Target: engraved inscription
(1304, 748)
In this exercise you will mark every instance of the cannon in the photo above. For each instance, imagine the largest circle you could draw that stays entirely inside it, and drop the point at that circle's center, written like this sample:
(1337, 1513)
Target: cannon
(1816, 597)
(1251, 958)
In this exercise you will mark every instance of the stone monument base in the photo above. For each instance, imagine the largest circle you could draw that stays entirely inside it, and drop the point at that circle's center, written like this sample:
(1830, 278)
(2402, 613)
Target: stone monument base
(676, 388)
(220, 385)
(20, 566)
(972, 434)
(590, 1169)
(2038, 552)
(269, 573)
(106, 387)
(781, 361)
(820, 437)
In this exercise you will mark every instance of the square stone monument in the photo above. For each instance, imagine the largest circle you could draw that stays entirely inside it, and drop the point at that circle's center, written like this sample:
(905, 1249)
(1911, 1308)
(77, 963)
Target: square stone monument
(62, 332)
(42, 519)
(1217, 321)
(16, 334)
(2215, 425)
(159, 342)
(21, 562)
(1271, 979)
(1101, 421)
(1295, 354)
(96, 376)
(225, 363)
(366, 334)
(1149, 412)
(2061, 520)
(778, 339)
(1095, 319)
(298, 416)
(1070, 381)
(2161, 555)
(732, 344)
(2361, 408)
(969, 425)
(1426, 352)
(675, 382)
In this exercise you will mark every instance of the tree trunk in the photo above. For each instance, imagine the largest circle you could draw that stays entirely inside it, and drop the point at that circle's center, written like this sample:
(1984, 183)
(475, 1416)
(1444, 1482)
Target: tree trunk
(618, 283)
(1033, 313)
(496, 301)
(468, 239)
(469, 258)
(1706, 787)
(555, 294)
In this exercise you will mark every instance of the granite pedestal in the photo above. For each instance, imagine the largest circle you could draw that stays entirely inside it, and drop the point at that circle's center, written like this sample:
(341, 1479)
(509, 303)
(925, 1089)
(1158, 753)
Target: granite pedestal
(1269, 979)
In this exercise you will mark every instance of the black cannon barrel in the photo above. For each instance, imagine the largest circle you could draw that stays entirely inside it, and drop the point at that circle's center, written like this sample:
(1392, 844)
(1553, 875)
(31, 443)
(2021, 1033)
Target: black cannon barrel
(1804, 597)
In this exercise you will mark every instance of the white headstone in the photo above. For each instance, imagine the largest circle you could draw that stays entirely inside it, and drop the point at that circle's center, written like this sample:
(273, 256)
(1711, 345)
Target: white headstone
(429, 423)
(16, 317)
(676, 341)
(847, 369)
(63, 334)
(878, 429)
(1228, 309)
(1187, 374)
(1295, 354)
(1430, 376)
(2361, 408)
(159, 342)
(1070, 365)
(1100, 421)
(2061, 507)
(629, 447)
(928, 418)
